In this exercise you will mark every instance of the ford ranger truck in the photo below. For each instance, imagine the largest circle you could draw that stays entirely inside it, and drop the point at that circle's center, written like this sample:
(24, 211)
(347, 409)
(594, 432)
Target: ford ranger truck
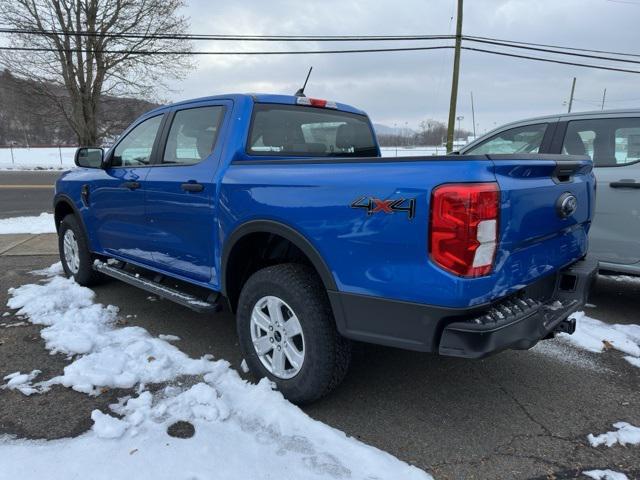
(281, 209)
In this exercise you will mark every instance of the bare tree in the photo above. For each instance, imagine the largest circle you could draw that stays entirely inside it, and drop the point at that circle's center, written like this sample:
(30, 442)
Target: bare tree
(86, 55)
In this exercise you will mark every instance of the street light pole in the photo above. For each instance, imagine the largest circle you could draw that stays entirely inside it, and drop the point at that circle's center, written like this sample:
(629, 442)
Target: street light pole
(473, 116)
(604, 96)
(573, 89)
(454, 80)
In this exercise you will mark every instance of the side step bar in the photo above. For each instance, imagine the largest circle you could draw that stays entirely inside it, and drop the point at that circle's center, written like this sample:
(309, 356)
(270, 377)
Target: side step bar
(185, 299)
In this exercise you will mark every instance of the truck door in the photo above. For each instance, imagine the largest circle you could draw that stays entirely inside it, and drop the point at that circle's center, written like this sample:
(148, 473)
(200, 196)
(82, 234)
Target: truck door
(117, 197)
(614, 146)
(181, 191)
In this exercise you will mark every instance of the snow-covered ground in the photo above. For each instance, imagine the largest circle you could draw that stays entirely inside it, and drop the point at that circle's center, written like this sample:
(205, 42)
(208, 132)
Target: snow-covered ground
(412, 151)
(605, 475)
(242, 430)
(43, 223)
(625, 434)
(52, 158)
(596, 336)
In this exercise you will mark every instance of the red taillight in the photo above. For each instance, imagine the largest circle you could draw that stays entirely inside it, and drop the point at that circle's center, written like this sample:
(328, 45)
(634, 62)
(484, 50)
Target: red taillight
(464, 227)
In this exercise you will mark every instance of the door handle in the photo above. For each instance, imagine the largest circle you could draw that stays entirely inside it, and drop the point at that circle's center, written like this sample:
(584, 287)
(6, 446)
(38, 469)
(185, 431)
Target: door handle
(131, 185)
(192, 187)
(625, 184)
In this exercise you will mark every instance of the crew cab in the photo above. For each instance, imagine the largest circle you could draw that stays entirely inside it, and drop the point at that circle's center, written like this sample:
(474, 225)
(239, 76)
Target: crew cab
(281, 209)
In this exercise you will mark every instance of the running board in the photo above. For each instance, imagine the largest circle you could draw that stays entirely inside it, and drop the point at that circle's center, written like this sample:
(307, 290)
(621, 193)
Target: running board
(182, 298)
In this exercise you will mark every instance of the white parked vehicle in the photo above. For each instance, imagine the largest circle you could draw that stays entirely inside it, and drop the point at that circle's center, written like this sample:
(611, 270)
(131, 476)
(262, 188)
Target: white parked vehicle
(612, 139)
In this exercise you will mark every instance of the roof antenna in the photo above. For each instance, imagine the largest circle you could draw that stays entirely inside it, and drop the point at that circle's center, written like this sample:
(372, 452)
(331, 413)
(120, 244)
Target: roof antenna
(300, 92)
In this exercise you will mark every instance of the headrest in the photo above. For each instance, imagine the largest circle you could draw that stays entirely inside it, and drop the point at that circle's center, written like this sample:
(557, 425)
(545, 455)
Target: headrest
(574, 144)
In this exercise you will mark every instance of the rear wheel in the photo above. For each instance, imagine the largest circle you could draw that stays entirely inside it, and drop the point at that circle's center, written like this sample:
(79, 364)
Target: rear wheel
(77, 259)
(288, 334)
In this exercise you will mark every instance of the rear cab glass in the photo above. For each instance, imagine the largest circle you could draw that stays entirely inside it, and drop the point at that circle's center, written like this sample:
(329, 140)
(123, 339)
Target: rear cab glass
(293, 130)
(610, 142)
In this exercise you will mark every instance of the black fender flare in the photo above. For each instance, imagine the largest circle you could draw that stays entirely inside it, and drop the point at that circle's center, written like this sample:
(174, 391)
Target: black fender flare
(63, 198)
(284, 231)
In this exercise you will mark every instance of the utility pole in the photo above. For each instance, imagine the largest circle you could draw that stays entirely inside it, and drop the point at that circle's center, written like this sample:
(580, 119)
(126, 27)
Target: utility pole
(604, 96)
(454, 80)
(473, 116)
(573, 89)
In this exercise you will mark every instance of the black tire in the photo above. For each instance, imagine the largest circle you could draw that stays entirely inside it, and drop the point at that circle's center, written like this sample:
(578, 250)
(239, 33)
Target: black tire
(85, 275)
(327, 353)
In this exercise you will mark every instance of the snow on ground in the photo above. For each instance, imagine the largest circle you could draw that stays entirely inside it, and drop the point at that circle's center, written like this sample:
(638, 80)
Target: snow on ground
(596, 336)
(55, 158)
(242, 430)
(626, 434)
(47, 158)
(605, 475)
(43, 223)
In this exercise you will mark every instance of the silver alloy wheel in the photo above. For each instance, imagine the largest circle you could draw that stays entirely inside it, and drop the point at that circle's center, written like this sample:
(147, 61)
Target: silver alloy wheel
(71, 253)
(277, 337)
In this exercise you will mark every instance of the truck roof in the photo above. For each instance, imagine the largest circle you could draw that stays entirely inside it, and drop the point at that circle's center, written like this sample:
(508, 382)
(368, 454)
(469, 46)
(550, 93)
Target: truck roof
(256, 97)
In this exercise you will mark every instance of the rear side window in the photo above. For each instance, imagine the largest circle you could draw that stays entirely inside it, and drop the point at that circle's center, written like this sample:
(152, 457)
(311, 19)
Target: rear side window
(610, 142)
(192, 135)
(526, 139)
(309, 131)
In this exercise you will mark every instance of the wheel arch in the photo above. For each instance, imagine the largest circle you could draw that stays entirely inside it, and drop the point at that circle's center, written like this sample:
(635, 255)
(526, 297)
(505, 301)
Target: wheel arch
(233, 247)
(63, 206)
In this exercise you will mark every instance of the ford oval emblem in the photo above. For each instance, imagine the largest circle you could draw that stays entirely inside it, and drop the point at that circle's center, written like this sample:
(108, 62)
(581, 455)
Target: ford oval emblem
(566, 205)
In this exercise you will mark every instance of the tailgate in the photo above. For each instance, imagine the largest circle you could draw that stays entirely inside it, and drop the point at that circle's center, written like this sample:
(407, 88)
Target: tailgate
(547, 203)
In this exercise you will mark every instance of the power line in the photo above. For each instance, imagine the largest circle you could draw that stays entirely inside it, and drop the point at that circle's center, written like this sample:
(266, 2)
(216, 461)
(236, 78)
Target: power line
(184, 52)
(547, 50)
(622, 54)
(220, 37)
(549, 60)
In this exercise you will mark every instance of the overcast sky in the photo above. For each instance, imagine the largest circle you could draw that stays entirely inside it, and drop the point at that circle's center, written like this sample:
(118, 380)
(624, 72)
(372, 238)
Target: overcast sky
(414, 86)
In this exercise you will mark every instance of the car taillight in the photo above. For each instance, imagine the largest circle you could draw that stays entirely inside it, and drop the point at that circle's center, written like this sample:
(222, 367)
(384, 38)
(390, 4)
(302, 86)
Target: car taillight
(464, 227)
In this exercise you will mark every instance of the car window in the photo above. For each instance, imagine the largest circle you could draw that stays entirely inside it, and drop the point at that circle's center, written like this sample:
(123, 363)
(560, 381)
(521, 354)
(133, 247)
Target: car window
(135, 149)
(525, 139)
(609, 142)
(192, 135)
(309, 131)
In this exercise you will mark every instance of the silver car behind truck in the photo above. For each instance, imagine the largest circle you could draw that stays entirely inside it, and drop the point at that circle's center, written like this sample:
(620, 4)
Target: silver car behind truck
(612, 139)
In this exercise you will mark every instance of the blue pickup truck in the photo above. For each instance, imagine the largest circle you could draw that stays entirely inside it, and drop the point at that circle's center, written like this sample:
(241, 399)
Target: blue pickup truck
(281, 209)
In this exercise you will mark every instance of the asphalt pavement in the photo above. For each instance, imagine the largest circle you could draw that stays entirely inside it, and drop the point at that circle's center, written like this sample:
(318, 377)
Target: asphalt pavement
(26, 193)
(516, 415)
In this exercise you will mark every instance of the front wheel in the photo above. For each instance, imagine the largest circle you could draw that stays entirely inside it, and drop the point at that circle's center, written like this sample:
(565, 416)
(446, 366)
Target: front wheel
(288, 334)
(76, 258)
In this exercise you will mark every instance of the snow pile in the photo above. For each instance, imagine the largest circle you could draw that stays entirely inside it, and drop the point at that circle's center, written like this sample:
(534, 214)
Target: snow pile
(44, 223)
(626, 434)
(241, 430)
(51, 271)
(21, 382)
(596, 336)
(605, 475)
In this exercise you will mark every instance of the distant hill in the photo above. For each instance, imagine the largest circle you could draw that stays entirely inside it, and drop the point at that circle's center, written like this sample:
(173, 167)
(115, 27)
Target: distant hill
(387, 130)
(29, 119)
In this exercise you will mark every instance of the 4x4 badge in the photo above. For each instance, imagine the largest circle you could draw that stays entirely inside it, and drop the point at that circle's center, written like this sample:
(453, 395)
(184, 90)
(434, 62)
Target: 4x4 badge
(374, 205)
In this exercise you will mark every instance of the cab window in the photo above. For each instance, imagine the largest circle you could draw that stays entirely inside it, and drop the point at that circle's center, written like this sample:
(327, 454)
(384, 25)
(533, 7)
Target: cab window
(135, 148)
(527, 139)
(192, 135)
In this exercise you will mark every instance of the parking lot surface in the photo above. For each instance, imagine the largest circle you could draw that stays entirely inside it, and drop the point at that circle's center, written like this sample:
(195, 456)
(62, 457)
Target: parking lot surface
(518, 415)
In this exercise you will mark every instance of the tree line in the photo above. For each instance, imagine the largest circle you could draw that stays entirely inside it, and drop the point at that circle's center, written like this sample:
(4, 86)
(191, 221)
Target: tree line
(431, 132)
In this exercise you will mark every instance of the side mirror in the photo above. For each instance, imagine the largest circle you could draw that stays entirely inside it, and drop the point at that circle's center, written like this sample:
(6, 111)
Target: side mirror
(89, 157)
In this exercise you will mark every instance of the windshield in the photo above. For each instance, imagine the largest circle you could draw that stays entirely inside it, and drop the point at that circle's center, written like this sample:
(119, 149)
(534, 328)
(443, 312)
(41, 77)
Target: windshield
(309, 131)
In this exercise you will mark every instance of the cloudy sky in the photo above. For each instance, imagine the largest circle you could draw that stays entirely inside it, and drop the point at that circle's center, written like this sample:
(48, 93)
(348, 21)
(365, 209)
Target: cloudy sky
(412, 86)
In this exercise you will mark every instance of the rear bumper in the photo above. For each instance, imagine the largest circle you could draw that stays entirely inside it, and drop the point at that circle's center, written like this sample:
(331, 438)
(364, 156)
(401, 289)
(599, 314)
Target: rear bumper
(516, 322)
